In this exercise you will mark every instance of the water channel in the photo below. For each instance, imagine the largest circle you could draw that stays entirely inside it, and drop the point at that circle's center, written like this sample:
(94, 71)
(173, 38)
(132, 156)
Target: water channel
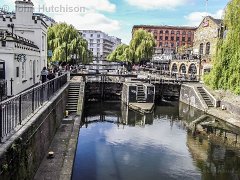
(116, 143)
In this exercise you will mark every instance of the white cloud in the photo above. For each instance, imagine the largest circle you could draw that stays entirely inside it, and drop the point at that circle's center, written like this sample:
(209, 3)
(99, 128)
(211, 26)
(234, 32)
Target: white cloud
(195, 18)
(156, 4)
(91, 20)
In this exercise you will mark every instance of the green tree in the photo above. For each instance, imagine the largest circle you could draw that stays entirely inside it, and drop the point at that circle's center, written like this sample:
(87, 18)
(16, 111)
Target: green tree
(141, 48)
(65, 41)
(226, 66)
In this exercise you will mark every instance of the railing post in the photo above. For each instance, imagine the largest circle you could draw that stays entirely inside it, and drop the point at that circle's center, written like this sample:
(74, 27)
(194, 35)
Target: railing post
(20, 109)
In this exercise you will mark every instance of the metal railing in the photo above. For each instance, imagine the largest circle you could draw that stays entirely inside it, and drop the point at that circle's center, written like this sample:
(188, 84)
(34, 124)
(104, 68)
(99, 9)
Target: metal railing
(3, 90)
(15, 110)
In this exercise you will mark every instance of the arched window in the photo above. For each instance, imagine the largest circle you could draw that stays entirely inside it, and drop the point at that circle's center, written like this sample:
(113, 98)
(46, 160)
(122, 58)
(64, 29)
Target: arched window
(184, 33)
(166, 32)
(178, 32)
(161, 32)
(201, 49)
(172, 32)
(208, 48)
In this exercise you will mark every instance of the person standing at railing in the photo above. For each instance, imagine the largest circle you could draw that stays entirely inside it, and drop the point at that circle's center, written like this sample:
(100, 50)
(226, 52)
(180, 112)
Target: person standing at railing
(44, 74)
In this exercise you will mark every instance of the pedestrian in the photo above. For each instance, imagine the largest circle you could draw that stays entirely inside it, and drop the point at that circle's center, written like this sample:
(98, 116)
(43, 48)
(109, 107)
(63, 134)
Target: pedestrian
(44, 74)
(51, 75)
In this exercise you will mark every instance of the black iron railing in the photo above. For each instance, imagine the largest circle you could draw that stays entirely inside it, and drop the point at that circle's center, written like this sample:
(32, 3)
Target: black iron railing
(3, 90)
(15, 110)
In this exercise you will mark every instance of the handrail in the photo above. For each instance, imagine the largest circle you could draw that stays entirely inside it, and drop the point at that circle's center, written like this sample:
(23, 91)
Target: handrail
(17, 109)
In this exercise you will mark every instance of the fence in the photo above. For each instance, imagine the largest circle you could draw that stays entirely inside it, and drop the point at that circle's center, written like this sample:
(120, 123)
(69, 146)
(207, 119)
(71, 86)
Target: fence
(3, 90)
(15, 110)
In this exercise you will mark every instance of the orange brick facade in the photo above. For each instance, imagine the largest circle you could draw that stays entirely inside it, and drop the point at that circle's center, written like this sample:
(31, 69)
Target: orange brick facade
(170, 37)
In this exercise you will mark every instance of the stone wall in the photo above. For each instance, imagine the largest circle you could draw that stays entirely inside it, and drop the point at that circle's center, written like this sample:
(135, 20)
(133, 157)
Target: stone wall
(22, 154)
(189, 95)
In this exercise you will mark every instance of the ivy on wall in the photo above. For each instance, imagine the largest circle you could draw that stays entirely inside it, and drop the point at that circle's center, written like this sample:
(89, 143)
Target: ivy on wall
(226, 65)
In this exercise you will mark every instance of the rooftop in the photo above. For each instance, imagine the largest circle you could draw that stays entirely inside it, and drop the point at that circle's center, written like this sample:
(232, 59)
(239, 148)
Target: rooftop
(164, 27)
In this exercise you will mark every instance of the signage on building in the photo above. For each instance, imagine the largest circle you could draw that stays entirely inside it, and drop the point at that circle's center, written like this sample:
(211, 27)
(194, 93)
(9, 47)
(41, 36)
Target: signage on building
(20, 57)
(205, 23)
(49, 53)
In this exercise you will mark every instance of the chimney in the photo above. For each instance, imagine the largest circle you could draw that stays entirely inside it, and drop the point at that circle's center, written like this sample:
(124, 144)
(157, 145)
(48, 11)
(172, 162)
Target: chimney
(24, 11)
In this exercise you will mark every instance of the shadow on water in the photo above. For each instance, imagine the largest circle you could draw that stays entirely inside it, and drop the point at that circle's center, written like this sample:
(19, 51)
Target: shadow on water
(103, 150)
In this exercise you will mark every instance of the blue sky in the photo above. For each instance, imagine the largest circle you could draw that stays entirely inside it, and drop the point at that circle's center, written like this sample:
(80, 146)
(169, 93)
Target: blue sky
(116, 17)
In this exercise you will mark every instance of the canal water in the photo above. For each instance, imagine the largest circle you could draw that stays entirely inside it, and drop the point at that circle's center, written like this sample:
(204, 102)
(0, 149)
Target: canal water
(116, 143)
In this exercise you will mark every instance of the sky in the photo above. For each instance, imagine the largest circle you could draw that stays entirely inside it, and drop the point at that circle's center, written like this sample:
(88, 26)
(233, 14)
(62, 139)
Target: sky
(117, 17)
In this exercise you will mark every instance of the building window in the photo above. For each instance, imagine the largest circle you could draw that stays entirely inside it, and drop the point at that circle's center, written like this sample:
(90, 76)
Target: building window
(172, 44)
(17, 71)
(160, 38)
(208, 48)
(2, 70)
(84, 35)
(24, 70)
(43, 42)
(201, 49)
(172, 32)
(172, 38)
(91, 40)
(161, 32)
(166, 32)
(189, 39)
(91, 49)
(98, 45)
(189, 33)
(155, 37)
(98, 35)
(91, 45)
(183, 33)
(91, 35)
(177, 38)
(160, 44)
(166, 38)
(166, 44)
(183, 39)
(98, 41)
(178, 32)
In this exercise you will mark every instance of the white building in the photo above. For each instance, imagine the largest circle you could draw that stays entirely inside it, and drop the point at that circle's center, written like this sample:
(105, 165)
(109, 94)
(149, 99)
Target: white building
(101, 44)
(23, 47)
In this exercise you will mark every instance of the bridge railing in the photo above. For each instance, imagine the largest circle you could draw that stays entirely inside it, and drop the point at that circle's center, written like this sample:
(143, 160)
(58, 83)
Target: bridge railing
(15, 111)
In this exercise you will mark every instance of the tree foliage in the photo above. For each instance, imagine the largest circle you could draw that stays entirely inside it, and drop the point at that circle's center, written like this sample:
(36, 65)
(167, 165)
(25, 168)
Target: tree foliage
(226, 66)
(65, 41)
(141, 48)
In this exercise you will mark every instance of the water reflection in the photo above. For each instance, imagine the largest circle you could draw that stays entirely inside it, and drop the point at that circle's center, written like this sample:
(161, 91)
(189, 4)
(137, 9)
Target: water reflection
(118, 143)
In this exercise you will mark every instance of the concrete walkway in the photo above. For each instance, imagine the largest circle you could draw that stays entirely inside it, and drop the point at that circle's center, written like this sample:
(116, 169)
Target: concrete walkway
(225, 115)
(64, 146)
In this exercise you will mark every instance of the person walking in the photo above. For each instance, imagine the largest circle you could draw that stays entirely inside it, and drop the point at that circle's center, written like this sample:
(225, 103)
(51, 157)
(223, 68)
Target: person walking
(44, 74)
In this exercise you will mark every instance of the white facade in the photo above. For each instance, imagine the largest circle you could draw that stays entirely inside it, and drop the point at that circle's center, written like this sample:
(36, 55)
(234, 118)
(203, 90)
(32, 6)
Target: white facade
(100, 43)
(23, 47)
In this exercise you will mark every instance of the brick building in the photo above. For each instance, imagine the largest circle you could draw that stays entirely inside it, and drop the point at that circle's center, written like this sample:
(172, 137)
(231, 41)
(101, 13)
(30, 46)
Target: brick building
(169, 38)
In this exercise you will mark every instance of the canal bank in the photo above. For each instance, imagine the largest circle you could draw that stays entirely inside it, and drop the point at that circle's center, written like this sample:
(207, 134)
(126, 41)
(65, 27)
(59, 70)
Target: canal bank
(63, 147)
(218, 104)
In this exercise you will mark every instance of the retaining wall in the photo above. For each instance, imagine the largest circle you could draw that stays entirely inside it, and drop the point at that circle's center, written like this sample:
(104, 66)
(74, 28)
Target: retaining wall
(22, 154)
(190, 96)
